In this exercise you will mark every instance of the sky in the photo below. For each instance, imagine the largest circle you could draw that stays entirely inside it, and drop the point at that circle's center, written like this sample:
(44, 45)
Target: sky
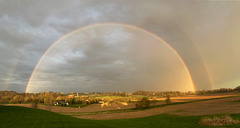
(114, 57)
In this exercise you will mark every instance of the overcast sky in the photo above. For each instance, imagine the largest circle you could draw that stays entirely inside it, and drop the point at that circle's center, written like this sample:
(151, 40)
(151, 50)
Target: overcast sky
(117, 58)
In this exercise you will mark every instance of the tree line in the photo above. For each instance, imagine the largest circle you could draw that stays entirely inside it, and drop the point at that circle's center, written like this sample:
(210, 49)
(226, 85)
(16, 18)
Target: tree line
(95, 97)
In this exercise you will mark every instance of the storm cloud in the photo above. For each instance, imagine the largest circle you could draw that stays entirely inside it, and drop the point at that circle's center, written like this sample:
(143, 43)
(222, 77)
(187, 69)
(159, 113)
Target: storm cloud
(204, 33)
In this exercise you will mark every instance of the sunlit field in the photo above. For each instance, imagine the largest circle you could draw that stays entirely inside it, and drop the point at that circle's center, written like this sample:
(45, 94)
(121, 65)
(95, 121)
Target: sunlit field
(20, 117)
(199, 110)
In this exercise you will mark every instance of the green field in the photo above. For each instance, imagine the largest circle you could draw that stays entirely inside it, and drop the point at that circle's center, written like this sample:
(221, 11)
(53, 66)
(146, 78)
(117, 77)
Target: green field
(20, 117)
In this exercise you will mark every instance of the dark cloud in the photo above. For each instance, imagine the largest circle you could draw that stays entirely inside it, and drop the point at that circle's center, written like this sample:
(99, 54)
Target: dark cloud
(204, 33)
(111, 56)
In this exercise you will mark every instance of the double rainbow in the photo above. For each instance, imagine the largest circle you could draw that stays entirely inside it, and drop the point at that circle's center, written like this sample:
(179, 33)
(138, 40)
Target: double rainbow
(103, 24)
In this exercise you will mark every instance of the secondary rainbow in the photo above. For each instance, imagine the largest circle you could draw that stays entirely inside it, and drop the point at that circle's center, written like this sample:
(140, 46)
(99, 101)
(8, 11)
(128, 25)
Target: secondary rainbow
(95, 25)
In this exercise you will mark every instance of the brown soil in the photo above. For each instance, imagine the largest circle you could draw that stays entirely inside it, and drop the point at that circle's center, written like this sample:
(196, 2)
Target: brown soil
(189, 109)
(89, 108)
(114, 106)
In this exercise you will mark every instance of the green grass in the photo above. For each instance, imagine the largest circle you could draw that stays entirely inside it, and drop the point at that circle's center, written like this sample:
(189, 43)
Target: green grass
(20, 117)
(235, 101)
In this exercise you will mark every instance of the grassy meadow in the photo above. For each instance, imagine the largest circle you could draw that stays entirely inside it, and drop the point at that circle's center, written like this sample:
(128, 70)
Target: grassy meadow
(21, 117)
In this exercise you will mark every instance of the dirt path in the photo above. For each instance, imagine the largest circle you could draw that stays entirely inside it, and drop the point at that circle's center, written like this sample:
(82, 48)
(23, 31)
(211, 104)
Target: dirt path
(190, 109)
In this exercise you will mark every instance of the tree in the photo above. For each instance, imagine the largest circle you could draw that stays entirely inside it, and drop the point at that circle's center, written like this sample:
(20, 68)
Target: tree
(168, 100)
(237, 88)
(143, 103)
(18, 99)
(35, 103)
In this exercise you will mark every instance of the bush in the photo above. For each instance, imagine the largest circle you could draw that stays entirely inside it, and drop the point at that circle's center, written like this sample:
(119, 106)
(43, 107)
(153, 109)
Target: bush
(35, 103)
(143, 103)
(168, 100)
(71, 101)
(11, 101)
(18, 99)
(219, 121)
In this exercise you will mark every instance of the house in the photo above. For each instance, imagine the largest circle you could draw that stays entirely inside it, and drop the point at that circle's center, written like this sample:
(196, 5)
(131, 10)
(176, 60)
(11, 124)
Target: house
(101, 102)
(61, 102)
(70, 96)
